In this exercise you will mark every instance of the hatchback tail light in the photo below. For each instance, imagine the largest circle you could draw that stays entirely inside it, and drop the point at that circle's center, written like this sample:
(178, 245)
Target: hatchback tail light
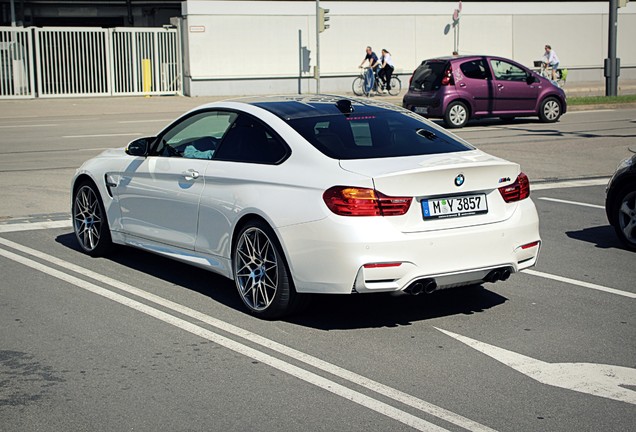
(353, 201)
(448, 76)
(411, 79)
(517, 191)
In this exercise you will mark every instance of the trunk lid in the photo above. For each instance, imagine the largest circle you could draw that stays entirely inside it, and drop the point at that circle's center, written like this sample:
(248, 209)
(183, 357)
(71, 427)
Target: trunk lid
(433, 176)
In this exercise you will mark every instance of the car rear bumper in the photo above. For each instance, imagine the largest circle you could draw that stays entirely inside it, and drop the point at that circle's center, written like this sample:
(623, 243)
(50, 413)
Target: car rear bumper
(329, 256)
(426, 105)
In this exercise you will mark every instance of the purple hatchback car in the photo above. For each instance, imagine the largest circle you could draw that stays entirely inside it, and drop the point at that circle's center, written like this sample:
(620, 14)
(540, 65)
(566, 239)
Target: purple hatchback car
(460, 88)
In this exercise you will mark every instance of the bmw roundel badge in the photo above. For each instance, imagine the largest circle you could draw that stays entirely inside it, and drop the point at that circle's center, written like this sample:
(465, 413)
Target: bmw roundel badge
(459, 180)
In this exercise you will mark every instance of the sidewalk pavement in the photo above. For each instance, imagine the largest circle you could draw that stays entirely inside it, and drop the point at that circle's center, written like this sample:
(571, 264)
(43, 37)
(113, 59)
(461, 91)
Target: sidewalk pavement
(64, 107)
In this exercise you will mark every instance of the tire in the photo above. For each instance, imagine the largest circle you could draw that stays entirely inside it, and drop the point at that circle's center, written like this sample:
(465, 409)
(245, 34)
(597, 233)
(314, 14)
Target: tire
(261, 273)
(396, 86)
(89, 220)
(624, 215)
(357, 86)
(550, 110)
(456, 115)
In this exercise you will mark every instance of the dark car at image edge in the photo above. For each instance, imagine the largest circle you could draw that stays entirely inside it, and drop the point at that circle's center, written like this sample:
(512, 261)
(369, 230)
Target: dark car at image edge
(461, 88)
(620, 201)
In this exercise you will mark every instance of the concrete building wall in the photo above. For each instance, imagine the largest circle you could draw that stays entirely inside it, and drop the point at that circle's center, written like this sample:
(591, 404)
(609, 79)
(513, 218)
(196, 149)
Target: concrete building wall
(245, 47)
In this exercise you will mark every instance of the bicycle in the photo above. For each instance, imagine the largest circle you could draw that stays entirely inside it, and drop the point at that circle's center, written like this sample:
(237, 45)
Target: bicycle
(546, 72)
(364, 84)
(367, 83)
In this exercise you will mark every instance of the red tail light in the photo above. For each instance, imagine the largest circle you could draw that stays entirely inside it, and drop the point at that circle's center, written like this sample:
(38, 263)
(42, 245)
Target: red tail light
(517, 191)
(352, 201)
(448, 76)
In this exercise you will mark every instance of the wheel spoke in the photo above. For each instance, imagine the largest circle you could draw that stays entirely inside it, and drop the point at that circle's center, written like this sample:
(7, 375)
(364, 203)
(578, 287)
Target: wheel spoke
(625, 209)
(628, 230)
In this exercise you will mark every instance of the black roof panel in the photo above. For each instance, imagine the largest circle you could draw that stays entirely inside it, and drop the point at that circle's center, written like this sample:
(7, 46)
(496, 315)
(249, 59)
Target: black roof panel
(294, 107)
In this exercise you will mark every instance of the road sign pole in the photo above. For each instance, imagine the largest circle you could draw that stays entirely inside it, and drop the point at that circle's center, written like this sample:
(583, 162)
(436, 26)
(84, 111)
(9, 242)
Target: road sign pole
(611, 73)
(317, 74)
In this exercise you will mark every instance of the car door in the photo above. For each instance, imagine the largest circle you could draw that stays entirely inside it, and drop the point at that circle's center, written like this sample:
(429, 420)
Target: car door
(244, 171)
(512, 92)
(474, 83)
(159, 195)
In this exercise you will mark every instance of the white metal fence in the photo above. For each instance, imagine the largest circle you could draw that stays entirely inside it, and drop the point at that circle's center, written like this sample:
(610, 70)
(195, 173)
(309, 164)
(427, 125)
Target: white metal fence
(62, 62)
(16, 63)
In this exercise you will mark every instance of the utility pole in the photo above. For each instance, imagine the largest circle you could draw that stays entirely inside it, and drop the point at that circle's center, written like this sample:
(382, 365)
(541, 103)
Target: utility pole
(321, 26)
(12, 3)
(317, 71)
(612, 64)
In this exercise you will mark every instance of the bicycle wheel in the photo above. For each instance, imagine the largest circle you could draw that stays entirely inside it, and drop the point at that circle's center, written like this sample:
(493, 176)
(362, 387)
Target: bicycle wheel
(369, 81)
(396, 86)
(357, 86)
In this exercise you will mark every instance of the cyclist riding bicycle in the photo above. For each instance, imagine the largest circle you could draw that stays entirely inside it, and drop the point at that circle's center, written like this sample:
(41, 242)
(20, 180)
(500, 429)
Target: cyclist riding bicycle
(551, 59)
(386, 70)
(372, 58)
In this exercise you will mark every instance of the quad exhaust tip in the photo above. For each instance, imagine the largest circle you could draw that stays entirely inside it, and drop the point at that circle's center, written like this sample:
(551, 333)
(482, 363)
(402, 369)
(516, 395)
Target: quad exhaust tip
(500, 274)
(418, 287)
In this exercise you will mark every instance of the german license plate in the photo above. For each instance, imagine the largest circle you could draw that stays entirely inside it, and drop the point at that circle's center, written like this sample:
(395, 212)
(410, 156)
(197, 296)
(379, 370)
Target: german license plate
(421, 110)
(468, 205)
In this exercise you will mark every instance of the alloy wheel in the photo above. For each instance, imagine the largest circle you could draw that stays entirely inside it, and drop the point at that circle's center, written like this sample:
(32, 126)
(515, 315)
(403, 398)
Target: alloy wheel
(627, 217)
(87, 218)
(256, 269)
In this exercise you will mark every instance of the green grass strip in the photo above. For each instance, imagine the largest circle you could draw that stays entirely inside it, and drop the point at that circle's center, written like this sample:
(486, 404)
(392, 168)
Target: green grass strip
(600, 100)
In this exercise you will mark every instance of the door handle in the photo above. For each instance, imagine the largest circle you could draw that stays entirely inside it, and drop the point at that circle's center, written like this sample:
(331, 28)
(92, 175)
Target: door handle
(500, 86)
(190, 174)
(462, 85)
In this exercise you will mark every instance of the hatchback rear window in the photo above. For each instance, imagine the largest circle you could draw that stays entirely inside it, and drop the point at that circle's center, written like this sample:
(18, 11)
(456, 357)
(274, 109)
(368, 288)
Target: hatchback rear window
(377, 134)
(428, 75)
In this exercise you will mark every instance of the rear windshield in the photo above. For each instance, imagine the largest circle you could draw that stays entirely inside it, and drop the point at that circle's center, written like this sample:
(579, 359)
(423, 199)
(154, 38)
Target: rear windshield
(376, 135)
(428, 75)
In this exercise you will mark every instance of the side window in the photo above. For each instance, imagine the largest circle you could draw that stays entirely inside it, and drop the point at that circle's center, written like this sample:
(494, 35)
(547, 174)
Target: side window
(475, 69)
(196, 137)
(249, 140)
(507, 71)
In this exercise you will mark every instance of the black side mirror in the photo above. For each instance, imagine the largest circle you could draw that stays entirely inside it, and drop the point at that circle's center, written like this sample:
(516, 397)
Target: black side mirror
(139, 147)
(531, 79)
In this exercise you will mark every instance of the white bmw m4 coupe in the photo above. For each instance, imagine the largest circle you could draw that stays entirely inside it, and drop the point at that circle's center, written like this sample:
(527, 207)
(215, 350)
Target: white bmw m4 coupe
(290, 196)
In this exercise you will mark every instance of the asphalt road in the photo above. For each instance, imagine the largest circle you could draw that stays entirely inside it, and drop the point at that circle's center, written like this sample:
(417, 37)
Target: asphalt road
(136, 342)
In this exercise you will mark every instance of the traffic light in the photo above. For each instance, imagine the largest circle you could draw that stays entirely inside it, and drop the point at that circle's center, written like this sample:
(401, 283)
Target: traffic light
(322, 19)
(305, 59)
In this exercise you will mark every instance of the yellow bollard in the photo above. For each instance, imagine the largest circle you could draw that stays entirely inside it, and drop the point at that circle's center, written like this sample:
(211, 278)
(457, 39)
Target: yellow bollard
(146, 76)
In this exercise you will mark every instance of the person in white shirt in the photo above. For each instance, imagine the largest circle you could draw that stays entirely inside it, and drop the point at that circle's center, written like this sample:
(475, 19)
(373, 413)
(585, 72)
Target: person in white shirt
(386, 69)
(552, 60)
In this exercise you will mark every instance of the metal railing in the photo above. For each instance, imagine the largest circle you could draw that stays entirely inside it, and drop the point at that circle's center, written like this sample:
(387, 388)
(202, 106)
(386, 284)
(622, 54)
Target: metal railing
(67, 62)
(16, 63)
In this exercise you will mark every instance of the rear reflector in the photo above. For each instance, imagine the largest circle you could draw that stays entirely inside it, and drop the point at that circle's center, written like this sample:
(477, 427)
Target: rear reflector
(517, 191)
(382, 265)
(353, 201)
(530, 245)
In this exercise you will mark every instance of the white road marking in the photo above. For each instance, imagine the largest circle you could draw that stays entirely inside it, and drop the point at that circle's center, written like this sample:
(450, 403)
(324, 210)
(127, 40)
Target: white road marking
(571, 202)
(283, 366)
(27, 126)
(27, 226)
(590, 111)
(145, 121)
(591, 378)
(350, 376)
(569, 184)
(580, 283)
(102, 135)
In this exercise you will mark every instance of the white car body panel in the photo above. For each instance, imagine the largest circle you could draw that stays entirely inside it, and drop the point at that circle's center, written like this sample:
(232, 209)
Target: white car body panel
(153, 206)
